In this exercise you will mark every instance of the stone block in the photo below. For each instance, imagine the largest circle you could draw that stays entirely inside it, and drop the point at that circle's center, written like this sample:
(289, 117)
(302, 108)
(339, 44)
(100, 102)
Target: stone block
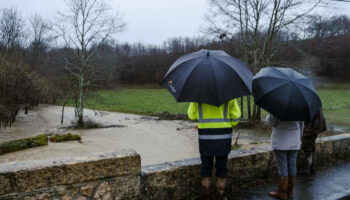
(88, 189)
(104, 192)
(21, 177)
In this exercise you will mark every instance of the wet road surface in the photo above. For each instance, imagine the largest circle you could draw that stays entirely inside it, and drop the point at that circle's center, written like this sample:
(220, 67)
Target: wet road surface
(330, 184)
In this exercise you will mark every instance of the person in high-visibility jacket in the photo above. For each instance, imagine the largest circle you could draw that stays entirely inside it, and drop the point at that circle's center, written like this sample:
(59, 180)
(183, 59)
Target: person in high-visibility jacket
(215, 136)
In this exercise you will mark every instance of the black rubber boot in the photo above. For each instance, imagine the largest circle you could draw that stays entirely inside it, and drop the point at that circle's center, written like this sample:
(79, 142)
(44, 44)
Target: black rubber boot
(306, 164)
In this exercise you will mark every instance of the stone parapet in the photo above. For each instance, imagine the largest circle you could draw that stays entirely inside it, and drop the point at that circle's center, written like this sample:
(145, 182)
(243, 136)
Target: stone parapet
(93, 175)
(180, 179)
(118, 175)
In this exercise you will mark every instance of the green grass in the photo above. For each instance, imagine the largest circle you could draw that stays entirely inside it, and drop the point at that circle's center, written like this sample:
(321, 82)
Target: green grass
(149, 101)
(25, 143)
(335, 99)
(137, 100)
(236, 146)
(152, 100)
(336, 106)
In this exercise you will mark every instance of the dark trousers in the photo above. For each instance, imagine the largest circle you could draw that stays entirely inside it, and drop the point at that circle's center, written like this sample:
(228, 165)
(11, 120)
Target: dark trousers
(220, 165)
(308, 143)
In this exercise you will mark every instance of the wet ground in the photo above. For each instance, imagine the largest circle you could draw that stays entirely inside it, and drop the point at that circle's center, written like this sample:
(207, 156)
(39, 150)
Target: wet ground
(157, 141)
(330, 184)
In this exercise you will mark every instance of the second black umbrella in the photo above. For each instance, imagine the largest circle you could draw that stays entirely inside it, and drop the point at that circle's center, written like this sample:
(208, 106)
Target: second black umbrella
(286, 94)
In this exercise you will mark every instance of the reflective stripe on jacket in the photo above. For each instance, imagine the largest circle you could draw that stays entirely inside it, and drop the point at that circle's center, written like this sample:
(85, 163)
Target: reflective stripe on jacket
(209, 116)
(215, 126)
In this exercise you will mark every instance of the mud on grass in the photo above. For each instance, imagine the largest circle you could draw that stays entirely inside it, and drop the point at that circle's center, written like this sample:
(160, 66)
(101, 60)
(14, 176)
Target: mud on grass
(172, 116)
(21, 144)
(89, 124)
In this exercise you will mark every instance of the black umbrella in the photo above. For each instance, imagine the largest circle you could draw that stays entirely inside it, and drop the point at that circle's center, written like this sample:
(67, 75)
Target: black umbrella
(286, 94)
(211, 77)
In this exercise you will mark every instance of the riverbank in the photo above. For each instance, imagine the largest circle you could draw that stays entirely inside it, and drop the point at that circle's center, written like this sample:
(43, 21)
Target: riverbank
(153, 100)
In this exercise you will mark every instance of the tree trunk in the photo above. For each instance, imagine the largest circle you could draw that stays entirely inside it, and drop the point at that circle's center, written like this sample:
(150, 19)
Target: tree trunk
(242, 111)
(239, 133)
(80, 122)
(254, 111)
(62, 116)
(258, 113)
(249, 108)
(76, 106)
(81, 101)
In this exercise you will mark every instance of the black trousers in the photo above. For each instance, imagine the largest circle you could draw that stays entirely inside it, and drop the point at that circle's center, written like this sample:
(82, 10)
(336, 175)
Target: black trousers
(206, 169)
(308, 143)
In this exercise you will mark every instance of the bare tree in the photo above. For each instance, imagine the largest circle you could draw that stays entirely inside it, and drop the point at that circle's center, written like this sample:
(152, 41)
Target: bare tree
(11, 28)
(87, 24)
(257, 24)
(40, 32)
(41, 37)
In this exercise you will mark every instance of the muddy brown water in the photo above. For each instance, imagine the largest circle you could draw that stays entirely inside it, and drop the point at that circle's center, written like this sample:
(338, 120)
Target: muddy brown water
(157, 141)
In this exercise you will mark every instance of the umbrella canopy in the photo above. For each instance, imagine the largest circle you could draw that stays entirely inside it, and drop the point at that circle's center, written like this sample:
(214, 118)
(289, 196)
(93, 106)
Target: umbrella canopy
(286, 94)
(211, 77)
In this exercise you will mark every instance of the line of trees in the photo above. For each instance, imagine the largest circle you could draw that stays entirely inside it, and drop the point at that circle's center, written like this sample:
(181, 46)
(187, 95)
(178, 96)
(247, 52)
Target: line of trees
(20, 85)
(264, 30)
(330, 45)
(41, 61)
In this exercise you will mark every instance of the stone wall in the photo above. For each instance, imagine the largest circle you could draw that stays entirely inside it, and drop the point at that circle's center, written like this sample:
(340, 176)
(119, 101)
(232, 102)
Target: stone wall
(113, 175)
(118, 175)
(180, 180)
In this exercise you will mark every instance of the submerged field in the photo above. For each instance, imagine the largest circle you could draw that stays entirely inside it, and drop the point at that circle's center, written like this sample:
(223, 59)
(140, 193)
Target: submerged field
(152, 100)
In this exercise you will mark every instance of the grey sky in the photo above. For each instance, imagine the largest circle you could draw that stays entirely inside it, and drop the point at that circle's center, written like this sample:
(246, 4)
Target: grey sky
(148, 21)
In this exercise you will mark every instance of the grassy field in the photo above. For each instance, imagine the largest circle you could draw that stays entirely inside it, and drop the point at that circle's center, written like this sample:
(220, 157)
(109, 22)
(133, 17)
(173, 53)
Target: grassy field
(145, 100)
(336, 104)
(152, 100)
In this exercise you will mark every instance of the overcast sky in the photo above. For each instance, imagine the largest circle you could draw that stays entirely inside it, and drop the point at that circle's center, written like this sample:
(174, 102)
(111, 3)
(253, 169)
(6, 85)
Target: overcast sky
(148, 21)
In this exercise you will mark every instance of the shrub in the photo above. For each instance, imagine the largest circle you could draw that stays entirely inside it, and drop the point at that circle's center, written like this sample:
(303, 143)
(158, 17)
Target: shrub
(65, 137)
(21, 144)
(88, 124)
(20, 86)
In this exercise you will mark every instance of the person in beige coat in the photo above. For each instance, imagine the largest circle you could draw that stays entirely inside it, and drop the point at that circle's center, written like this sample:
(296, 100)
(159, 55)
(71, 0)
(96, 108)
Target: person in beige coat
(285, 141)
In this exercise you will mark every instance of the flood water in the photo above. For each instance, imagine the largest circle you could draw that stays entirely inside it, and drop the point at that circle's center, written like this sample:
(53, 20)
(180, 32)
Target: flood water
(157, 141)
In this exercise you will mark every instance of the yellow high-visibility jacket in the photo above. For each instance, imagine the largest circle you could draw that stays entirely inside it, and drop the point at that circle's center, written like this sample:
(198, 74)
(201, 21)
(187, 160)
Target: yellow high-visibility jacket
(209, 116)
